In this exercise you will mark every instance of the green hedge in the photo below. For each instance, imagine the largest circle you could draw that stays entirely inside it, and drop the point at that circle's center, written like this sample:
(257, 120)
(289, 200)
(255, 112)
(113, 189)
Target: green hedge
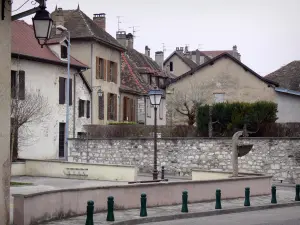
(227, 118)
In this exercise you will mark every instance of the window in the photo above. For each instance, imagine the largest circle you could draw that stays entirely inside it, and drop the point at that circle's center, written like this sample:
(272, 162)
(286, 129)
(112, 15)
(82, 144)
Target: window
(112, 106)
(88, 106)
(18, 84)
(112, 72)
(171, 66)
(128, 109)
(101, 107)
(149, 79)
(219, 97)
(157, 81)
(63, 52)
(62, 91)
(161, 110)
(100, 68)
(81, 108)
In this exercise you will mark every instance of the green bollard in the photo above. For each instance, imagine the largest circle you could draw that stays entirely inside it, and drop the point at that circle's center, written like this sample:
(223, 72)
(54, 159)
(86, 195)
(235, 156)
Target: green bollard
(218, 199)
(247, 197)
(89, 213)
(274, 199)
(143, 211)
(184, 207)
(297, 197)
(110, 209)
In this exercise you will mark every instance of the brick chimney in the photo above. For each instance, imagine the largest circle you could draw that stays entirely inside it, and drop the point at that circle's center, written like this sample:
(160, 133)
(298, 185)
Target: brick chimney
(58, 19)
(129, 38)
(121, 38)
(159, 58)
(100, 20)
(147, 51)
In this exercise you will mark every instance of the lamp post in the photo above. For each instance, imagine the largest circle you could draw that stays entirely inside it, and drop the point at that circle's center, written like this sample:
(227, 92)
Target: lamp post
(62, 28)
(42, 24)
(155, 99)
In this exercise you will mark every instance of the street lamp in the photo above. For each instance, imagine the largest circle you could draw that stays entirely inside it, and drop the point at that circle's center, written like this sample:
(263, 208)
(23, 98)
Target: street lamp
(42, 24)
(155, 99)
(100, 92)
(62, 28)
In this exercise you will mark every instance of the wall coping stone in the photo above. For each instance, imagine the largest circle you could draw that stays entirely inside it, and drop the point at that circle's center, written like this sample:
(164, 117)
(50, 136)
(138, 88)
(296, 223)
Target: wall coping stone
(228, 172)
(138, 185)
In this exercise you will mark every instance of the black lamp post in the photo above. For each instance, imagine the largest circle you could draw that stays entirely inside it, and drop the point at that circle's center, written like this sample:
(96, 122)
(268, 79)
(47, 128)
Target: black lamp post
(42, 24)
(155, 99)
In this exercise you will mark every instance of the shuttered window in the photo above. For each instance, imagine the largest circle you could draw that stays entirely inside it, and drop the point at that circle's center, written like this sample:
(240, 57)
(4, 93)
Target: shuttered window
(81, 108)
(99, 68)
(62, 90)
(88, 106)
(101, 107)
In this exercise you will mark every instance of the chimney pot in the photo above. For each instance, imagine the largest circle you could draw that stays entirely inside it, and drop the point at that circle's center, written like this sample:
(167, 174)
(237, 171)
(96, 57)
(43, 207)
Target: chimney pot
(129, 38)
(100, 20)
(147, 51)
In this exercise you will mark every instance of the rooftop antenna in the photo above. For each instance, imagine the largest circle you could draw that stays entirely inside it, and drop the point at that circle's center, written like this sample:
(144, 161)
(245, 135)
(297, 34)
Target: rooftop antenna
(164, 47)
(119, 22)
(134, 30)
(199, 46)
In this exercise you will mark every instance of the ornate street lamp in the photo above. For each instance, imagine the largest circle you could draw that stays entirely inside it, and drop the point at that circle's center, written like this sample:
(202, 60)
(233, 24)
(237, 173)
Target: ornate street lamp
(42, 24)
(155, 99)
(100, 92)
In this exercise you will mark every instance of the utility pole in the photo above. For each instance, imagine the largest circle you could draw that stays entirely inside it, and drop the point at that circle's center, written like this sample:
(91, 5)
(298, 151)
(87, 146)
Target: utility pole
(119, 22)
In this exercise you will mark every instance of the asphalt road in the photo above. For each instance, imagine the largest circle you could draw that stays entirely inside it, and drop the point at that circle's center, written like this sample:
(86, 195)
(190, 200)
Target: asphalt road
(283, 216)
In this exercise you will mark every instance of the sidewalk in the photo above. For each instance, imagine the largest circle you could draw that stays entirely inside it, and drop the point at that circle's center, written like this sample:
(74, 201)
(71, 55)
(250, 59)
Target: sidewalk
(284, 195)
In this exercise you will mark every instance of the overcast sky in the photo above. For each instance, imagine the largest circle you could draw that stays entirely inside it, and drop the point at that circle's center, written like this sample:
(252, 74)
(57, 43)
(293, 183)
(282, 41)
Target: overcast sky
(266, 32)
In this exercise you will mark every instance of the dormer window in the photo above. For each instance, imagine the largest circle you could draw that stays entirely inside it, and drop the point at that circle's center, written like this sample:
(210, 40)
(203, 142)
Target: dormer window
(63, 52)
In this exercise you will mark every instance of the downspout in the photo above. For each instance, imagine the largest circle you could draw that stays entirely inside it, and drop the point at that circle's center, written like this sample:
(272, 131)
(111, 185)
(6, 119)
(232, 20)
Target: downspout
(92, 102)
(74, 105)
(120, 98)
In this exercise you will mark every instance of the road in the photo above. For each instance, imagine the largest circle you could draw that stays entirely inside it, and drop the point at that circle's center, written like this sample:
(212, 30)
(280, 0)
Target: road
(283, 216)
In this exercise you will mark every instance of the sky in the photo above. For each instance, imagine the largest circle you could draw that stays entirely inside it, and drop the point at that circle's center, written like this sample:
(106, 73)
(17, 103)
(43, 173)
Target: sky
(266, 32)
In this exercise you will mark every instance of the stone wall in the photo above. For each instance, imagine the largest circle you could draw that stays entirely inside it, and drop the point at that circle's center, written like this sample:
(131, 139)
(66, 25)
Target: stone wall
(277, 157)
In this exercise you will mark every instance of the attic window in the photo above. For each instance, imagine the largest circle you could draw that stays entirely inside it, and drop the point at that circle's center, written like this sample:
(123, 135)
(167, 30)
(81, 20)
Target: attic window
(171, 66)
(63, 52)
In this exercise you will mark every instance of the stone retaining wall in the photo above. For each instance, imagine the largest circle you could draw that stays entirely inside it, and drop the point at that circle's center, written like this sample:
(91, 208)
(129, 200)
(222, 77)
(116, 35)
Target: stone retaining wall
(279, 157)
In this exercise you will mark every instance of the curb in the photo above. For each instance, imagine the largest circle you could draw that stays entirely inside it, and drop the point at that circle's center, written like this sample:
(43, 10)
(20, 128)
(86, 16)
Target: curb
(203, 214)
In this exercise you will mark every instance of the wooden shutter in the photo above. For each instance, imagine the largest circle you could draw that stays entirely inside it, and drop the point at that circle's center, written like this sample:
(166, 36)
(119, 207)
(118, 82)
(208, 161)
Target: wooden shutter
(115, 72)
(161, 110)
(70, 92)
(13, 83)
(80, 108)
(62, 91)
(104, 69)
(101, 107)
(97, 68)
(88, 105)
(115, 107)
(21, 85)
(124, 108)
(133, 110)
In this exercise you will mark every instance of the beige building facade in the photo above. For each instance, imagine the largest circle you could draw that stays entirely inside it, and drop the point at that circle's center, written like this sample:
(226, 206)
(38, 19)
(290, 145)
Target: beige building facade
(220, 80)
(5, 52)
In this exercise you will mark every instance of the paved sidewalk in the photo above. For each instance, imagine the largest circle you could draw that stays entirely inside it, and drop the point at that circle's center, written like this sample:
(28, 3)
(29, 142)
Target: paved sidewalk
(284, 195)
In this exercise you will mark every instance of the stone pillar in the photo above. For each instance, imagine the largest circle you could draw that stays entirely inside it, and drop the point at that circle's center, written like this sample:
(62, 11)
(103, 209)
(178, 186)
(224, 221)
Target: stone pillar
(5, 62)
(235, 165)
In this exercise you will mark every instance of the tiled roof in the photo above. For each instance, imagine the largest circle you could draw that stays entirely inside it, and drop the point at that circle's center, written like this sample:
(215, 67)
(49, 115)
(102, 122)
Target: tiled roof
(287, 76)
(210, 62)
(81, 26)
(134, 64)
(25, 44)
(184, 58)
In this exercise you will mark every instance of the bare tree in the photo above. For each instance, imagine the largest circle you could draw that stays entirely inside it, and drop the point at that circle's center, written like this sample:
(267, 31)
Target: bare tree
(32, 108)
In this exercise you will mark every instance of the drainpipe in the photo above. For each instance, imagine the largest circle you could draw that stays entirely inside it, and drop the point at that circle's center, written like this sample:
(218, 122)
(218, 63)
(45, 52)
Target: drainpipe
(92, 103)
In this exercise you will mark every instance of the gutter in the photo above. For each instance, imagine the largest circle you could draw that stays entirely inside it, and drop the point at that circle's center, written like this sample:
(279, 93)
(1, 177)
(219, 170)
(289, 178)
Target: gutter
(287, 91)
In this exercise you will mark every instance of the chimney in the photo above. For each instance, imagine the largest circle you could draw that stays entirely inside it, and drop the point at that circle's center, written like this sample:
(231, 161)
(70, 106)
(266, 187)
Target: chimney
(159, 59)
(129, 38)
(198, 57)
(147, 51)
(100, 20)
(121, 38)
(186, 49)
(58, 19)
(236, 54)
(179, 49)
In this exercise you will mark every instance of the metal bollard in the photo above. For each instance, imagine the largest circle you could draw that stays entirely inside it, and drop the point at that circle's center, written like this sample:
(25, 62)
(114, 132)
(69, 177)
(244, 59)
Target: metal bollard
(218, 199)
(89, 213)
(297, 197)
(274, 199)
(247, 196)
(162, 172)
(143, 211)
(110, 209)
(184, 207)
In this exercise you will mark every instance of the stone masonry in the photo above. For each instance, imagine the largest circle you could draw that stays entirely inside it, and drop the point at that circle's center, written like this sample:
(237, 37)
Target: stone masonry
(279, 157)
